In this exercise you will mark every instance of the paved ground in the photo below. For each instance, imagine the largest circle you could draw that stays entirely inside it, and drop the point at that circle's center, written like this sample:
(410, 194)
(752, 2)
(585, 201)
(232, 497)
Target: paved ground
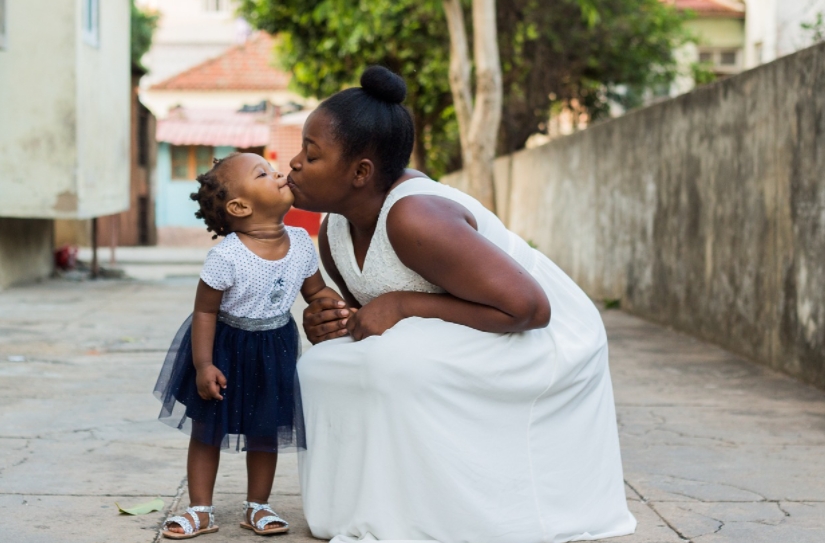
(715, 448)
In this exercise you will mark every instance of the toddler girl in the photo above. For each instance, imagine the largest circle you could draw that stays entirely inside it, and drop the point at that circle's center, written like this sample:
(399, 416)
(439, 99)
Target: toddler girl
(231, 369)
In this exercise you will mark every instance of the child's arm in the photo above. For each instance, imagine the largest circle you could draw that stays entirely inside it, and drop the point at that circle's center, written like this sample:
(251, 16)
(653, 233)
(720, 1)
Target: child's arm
(210, 379)
(315, 287)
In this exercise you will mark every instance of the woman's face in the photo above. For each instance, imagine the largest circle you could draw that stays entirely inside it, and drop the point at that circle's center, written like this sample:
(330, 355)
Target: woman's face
(318, 172)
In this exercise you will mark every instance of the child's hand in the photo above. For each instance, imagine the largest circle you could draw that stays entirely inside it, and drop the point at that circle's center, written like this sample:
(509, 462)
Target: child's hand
(210, 381)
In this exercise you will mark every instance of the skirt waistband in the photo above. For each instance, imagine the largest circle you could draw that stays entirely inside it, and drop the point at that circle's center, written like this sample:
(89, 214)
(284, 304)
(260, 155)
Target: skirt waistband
(254, 325)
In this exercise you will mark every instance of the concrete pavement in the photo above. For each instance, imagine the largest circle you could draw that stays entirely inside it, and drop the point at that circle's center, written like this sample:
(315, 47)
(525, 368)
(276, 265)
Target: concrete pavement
(715, 448)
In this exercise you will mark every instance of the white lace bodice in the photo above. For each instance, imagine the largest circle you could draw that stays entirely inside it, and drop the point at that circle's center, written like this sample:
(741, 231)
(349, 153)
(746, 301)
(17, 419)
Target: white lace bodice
(383, 271)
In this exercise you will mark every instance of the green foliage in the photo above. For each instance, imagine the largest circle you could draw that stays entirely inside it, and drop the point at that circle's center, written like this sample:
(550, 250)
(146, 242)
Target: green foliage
(585, 52)
(553, 52)
(143, 27)
(816, 28)
(702, 73)
(326, 44)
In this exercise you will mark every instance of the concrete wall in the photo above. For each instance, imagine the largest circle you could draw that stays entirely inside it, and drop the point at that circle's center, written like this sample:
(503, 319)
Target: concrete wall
(25, 250)
(705, 212)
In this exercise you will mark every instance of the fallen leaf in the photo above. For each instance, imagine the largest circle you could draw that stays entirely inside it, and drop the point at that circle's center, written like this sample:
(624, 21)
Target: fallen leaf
(142, 508)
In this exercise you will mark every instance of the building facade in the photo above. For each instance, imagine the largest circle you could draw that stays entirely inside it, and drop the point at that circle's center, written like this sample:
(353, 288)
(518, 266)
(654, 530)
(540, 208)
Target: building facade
(65, 110)
(190, 32)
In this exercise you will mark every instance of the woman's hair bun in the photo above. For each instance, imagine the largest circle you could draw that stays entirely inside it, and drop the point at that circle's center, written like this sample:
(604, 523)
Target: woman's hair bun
(383, 84)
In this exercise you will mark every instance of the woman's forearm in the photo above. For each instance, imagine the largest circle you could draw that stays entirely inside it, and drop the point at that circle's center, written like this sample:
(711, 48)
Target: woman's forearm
(481, 317)
(203, 338)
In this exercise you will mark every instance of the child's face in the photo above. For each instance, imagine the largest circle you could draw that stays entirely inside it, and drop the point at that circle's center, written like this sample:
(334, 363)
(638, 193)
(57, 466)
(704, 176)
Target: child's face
(261, 188)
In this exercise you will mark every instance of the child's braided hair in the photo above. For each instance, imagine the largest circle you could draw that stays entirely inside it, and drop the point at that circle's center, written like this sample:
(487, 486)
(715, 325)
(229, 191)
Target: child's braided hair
(211, 196)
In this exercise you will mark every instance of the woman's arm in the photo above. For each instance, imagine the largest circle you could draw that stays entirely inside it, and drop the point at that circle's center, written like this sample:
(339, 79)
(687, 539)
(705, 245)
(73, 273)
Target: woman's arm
(210, 380)
(486, 288)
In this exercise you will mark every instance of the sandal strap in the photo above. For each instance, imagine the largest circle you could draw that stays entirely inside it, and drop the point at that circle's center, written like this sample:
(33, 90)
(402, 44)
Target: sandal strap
(262, 522)
(183, 522)
(194, 509)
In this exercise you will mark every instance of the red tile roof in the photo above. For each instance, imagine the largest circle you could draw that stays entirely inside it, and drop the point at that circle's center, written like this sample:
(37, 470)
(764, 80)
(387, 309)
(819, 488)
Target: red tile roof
(712, 8)
(243, 67)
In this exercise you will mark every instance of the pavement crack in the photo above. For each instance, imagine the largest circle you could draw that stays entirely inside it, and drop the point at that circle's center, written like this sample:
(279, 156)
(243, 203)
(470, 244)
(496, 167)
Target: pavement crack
(173, 506)
(673, 528)
(784, 511)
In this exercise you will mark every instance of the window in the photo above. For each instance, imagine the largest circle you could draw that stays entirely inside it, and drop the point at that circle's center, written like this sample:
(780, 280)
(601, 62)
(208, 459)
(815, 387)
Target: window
(91, 22)
(2, 24)
(722, 61)
(728, 58)
(215, 5)
(189, 161)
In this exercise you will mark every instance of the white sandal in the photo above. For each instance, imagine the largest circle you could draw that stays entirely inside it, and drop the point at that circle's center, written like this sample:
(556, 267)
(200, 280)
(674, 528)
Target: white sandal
(190, 531)
(260, 526)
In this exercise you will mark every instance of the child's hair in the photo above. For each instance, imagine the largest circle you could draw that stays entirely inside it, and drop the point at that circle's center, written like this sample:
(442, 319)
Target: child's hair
(370, 119)
(210, 197)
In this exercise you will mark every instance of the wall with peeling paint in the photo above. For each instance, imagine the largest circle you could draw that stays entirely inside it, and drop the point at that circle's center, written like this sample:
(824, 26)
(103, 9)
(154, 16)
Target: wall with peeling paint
(705, 212)
(64, 138)
(65, 110)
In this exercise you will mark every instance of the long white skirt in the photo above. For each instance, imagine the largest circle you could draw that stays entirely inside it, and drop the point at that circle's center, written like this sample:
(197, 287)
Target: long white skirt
(436, 431)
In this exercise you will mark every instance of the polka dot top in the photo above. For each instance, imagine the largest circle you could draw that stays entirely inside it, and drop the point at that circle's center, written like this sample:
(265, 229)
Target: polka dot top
(255, 288)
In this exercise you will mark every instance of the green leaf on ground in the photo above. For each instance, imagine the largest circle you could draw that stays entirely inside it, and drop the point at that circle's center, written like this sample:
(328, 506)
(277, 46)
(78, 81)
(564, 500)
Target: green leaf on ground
(142, 508)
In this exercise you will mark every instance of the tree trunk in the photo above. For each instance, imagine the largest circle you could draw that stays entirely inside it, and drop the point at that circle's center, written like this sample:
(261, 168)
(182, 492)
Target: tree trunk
(419, 152)
(479, 120)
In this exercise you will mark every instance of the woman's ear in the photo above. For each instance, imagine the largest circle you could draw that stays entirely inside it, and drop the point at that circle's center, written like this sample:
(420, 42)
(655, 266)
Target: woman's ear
(238, 208)
(364, 171)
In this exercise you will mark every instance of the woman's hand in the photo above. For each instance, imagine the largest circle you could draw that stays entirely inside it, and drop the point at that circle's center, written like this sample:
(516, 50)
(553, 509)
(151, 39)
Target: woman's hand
(376, 317)
(326, 318)
(210, 382)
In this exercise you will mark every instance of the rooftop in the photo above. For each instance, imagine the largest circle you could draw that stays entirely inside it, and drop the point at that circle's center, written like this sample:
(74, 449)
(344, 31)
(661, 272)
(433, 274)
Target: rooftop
(244, 67)
(214, 127)
(712, 8)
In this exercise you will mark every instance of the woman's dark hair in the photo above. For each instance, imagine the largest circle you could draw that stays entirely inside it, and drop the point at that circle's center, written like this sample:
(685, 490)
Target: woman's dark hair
(371, 120)
(211, 196)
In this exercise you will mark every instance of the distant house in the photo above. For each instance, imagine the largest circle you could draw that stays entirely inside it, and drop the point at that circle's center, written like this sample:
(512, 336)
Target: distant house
(242, 75)
(719, 26)
(188, 33)
(64, 123)
(235, 102)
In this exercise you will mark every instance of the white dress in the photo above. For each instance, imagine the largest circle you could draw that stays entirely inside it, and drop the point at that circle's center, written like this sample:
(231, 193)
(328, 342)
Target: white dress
(436, 431)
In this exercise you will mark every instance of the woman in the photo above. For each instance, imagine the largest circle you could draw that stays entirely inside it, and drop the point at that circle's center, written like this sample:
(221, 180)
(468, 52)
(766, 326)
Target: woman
(454, 411)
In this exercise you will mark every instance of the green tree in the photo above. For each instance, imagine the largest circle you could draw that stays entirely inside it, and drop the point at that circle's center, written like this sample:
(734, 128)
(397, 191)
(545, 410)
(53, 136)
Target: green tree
(326, 44)
(143, 27)
(552, 52)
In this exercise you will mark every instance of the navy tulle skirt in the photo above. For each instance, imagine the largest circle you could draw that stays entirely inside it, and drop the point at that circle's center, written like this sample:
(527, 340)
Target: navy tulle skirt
(261, 406)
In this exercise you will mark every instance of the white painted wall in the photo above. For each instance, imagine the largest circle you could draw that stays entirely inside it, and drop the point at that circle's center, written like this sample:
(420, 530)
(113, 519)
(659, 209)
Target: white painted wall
(774, 29)
(104, 114)
(64, 107)
(188, 33)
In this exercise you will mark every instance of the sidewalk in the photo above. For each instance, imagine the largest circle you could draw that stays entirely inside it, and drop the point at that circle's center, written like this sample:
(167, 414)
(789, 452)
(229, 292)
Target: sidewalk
(715, 448)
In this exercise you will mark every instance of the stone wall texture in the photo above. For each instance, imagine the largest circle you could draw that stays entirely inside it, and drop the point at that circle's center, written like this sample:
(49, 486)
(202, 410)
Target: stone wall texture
(705, 212)
(26, 250)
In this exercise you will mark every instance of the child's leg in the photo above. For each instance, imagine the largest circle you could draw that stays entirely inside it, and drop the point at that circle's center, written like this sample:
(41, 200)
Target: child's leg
(201, 471)
(260, 473)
